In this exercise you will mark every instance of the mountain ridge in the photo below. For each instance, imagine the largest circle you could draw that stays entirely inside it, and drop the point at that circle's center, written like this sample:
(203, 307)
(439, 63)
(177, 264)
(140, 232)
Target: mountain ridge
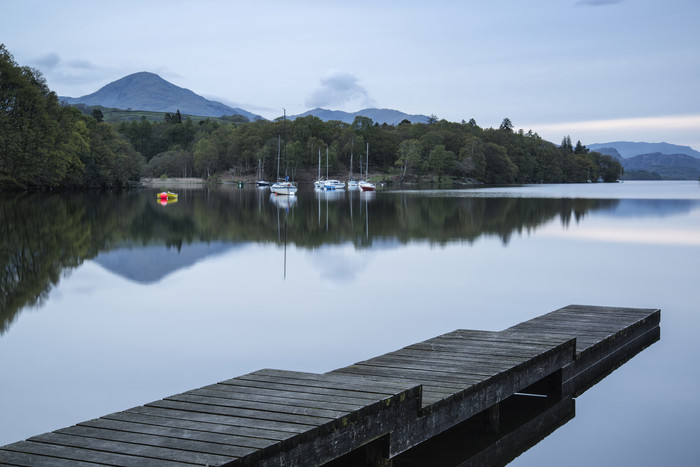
(148, 91)
(670, 166)
(628, 149)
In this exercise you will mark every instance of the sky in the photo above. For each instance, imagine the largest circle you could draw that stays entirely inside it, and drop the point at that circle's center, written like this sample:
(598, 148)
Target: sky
(595, 70)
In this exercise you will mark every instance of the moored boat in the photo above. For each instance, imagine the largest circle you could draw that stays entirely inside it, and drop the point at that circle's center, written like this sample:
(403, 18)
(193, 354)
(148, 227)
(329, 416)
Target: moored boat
(366, 185)
(166, 195)
(284, 188)
(333, 185)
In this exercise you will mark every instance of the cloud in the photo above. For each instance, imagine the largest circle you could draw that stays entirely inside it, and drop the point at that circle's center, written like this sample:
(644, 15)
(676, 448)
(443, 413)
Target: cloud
(48, 61)
(74, 76)
(668, 122)
(679, 129)
(339, 89)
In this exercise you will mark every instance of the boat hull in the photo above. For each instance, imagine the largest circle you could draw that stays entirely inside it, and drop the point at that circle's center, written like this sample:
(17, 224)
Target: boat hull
(284, 188)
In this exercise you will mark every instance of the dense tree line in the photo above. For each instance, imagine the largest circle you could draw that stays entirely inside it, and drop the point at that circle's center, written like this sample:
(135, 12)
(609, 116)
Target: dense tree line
(439, 150)
(46, 145)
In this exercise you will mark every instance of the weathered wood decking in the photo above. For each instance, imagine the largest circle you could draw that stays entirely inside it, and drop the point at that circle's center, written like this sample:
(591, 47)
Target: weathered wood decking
(393, 402)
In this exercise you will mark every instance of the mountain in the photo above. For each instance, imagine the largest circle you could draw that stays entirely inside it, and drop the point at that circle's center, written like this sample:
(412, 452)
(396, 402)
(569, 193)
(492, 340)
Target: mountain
(669, 166)
(630, 149)
(148, 91)
(610, 152)
(670, 161)
(380, 116)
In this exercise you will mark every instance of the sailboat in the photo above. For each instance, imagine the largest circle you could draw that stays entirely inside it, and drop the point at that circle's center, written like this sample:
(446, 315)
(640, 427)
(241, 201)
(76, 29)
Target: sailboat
(318, 184)
(352, 183)
(366, 185)
(331, 185)
(284, 187)
(261, 182)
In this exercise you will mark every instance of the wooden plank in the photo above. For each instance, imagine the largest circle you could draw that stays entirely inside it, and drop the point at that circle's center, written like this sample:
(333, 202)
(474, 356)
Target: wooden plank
(384, 387)
(303, 384)
(291, 428)
(178, 433)
(340, 393)
(329, 403)
(140, 450)
(215, 427)
(245, 391)
(69, 455)
(260, 405)
(155, 440)
(455, 355)
(23, 459)
(476, 367)
(433, 376)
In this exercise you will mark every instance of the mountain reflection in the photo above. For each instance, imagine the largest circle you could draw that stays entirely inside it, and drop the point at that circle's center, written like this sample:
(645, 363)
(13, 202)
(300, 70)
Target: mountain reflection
(46, 235)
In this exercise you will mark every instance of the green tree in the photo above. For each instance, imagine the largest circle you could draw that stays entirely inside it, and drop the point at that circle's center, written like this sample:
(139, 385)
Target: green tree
(98, 115)
(443, 161)
(472, 162)
(206, 157)
(506, 125)
(499, 168)
(580, 148)
(410, 158)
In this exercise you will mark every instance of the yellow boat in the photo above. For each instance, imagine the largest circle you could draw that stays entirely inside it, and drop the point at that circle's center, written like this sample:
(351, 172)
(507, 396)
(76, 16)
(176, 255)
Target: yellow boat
(166, 195)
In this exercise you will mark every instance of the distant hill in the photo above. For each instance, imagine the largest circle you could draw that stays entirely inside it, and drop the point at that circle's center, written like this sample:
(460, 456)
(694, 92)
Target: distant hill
(669, 161)
(148, 91)
(630, 149)
(609, 152)
(381, 116)
(669, 166)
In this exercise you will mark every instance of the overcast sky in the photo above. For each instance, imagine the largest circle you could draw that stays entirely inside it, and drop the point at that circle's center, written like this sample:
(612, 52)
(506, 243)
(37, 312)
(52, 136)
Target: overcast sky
(597, 70)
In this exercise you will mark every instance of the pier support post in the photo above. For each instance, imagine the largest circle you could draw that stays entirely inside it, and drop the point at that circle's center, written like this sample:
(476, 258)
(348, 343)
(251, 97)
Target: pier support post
(492, 418)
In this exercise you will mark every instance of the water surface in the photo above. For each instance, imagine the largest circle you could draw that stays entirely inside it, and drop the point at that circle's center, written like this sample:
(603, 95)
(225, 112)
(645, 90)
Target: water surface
(112, 300)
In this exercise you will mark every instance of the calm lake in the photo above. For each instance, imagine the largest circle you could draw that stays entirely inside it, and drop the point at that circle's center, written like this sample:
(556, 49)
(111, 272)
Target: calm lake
(112, 300)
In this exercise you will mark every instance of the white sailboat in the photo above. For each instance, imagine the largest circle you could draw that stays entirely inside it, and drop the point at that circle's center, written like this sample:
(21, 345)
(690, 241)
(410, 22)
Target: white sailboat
(366, 185)
(329, 184)
(284, 187)
(318, 184)
(352, 183)
(261, 182)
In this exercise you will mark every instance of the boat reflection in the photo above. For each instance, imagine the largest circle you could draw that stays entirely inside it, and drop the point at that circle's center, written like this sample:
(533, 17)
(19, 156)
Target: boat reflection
(330, 195)
(165, 201)
(283, 202)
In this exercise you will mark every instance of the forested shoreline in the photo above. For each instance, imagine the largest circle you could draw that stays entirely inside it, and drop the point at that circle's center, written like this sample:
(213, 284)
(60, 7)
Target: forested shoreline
(46, 145)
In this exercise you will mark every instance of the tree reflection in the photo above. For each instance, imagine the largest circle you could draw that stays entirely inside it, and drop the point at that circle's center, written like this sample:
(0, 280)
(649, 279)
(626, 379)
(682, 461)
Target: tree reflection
(46, 235)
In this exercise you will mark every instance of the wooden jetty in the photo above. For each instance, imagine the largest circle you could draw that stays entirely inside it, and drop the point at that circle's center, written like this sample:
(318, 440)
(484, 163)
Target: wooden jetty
(381, 411)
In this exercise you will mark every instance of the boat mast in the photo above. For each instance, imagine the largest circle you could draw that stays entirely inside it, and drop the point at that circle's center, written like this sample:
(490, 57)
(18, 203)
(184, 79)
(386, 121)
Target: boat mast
(367, 164)
(278, 158)
(285, 144)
